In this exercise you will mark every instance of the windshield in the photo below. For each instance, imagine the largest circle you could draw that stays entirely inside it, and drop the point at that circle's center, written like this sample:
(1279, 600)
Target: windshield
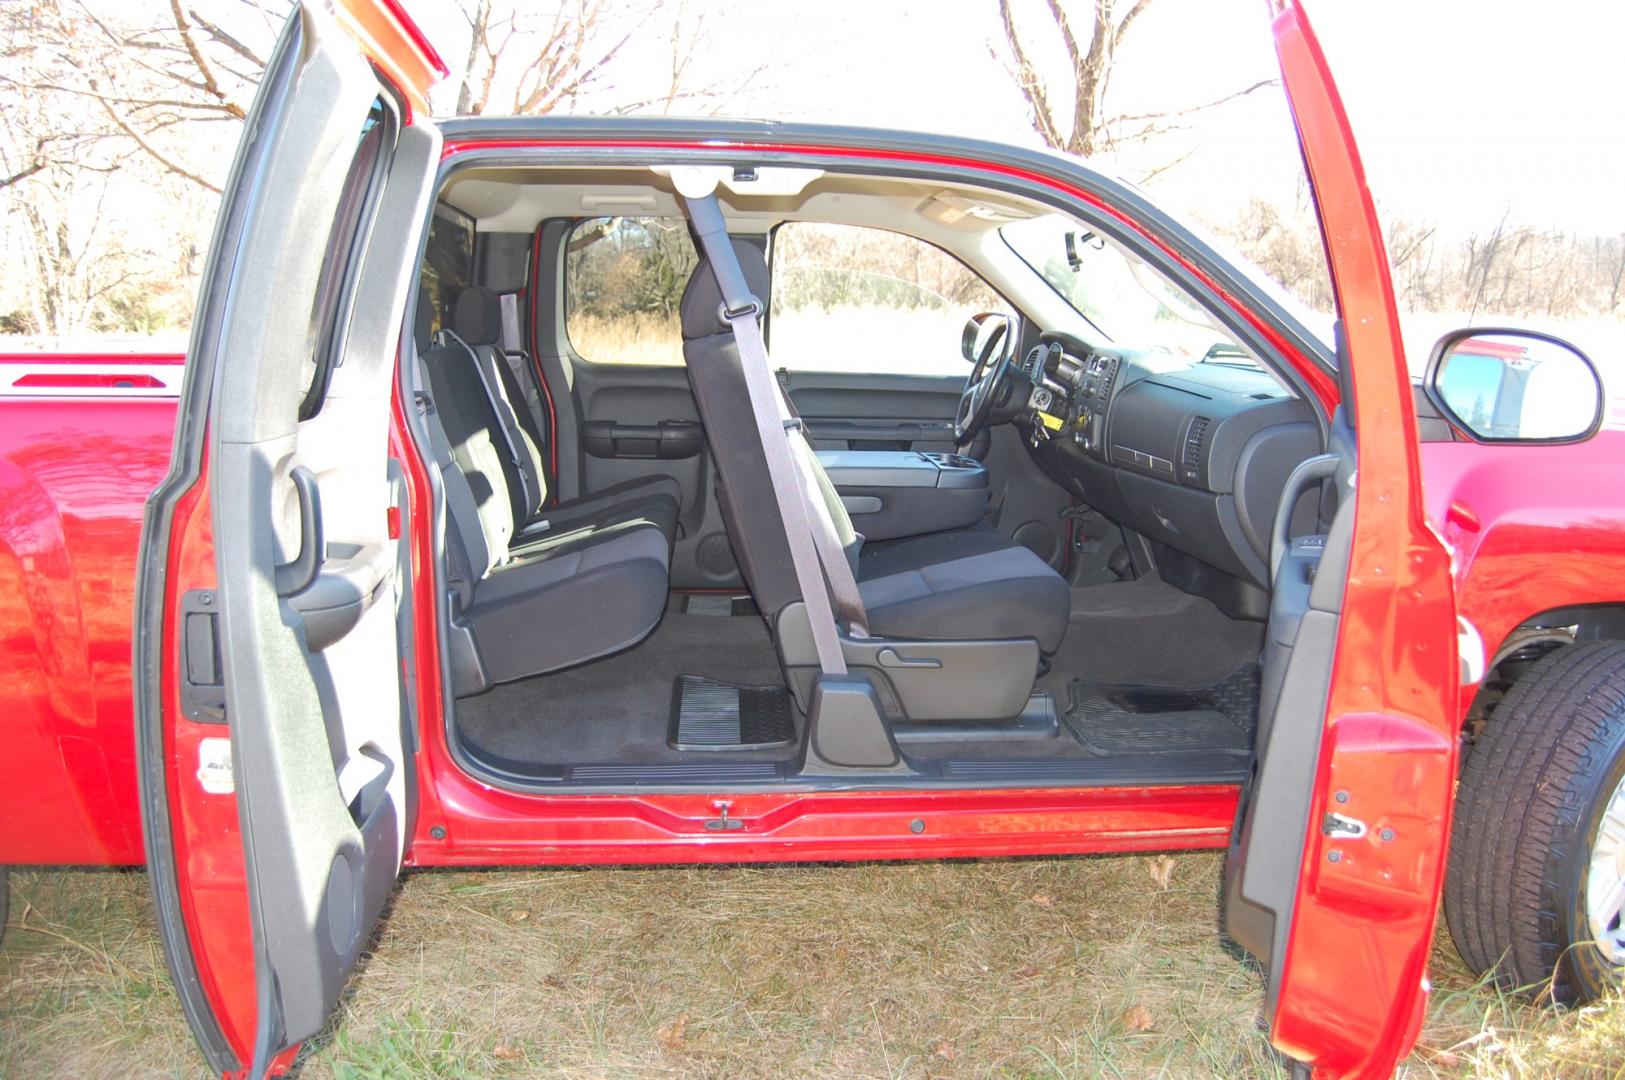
(1127, 301)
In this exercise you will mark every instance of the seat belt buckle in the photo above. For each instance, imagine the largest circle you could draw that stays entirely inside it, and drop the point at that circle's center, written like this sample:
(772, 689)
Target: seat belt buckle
(728, 315)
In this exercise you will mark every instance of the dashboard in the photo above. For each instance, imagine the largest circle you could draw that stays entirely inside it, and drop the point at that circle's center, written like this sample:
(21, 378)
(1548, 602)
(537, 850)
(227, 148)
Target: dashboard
(1192, 459)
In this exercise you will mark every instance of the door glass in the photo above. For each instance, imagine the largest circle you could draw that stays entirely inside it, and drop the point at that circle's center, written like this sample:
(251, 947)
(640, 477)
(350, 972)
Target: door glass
(848, 298)
(623, 280)
(341, 258)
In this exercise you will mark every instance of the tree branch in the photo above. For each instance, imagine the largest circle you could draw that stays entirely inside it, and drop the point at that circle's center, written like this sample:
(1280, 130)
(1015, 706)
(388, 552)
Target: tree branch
(227, 40)
(1031, 86)
(210, 84)
(1259, 85)
(153, 152)
(1128, 20)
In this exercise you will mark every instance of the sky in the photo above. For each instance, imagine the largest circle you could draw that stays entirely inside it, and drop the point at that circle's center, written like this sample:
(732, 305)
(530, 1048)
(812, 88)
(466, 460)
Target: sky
(1464, 110)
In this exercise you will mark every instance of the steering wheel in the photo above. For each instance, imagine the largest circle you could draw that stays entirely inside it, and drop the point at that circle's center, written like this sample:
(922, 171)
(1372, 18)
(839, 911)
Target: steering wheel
(982, 387)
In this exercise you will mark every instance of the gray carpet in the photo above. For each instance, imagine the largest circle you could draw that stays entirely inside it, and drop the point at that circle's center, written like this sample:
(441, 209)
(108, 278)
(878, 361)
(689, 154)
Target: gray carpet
(1149, 633)
(1141, 632)
(617, 709)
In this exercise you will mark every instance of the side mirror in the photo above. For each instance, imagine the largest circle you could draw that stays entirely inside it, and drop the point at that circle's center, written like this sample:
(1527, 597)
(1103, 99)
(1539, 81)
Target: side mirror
(1515, 386)
(985, 333)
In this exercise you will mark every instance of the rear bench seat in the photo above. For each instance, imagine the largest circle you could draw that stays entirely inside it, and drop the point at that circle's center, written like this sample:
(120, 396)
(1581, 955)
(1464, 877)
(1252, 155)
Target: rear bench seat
(534, 587)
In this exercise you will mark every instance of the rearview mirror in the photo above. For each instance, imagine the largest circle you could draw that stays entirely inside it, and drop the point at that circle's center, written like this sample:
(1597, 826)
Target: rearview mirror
(1515, 386)
(985, 333)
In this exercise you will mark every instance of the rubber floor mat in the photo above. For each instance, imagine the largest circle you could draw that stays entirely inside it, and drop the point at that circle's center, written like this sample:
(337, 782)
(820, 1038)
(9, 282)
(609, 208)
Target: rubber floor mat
(711, 715)
(1127, 719)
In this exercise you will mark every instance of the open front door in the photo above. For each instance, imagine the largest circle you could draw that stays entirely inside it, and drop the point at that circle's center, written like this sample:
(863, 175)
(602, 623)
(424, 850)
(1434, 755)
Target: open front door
(273, 722)
(1333, 880)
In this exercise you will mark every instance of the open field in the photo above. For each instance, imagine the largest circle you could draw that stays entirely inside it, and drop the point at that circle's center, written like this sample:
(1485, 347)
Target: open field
(1026, 968)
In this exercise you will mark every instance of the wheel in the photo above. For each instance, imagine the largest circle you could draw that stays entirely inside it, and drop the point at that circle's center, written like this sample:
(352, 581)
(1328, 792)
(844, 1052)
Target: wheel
(1536, 877)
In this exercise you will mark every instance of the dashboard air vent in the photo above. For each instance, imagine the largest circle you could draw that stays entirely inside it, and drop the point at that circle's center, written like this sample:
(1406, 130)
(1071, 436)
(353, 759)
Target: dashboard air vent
(1194, 440)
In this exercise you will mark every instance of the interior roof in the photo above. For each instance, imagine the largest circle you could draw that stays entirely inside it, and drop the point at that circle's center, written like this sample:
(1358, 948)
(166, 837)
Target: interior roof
(518, 199)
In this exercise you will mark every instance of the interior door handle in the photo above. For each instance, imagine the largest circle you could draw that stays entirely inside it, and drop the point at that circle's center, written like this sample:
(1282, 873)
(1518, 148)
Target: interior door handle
(892, 659)
(1313, 471)
(295, 577)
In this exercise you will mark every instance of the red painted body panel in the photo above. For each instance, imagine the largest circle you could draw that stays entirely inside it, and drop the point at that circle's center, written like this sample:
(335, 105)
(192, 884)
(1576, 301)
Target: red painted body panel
(1532, 528)
(74, 473)
(1352, 978)
(210, 869)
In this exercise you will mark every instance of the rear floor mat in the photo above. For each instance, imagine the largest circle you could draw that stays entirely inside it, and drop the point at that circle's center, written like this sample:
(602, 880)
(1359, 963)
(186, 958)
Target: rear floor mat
(1128, 719)
(712, 715)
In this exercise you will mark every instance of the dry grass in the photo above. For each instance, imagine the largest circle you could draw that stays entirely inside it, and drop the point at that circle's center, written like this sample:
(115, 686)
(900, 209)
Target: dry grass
(1024, 968)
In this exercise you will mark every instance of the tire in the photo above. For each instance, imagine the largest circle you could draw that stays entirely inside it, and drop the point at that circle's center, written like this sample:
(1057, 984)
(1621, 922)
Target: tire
(1532, 798)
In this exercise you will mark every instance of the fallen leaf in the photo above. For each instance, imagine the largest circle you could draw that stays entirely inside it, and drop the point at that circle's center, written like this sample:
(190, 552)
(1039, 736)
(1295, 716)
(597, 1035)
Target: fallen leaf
(1138, 1018)
(946, 1050)
(1029, 972)
(1162, 870)
(672, 1036)
(553, 982)
(1041, 900)
(520, 916)
(507, 1053)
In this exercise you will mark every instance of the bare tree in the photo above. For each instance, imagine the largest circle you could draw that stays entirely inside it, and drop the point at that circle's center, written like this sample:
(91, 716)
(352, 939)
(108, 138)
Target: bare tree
(531, 60)
(1072, 114)
(150, 77)
(545, 59)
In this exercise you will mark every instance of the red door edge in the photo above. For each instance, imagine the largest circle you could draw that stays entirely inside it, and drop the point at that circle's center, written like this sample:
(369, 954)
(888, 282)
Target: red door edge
(397, 47)
(1353, 977)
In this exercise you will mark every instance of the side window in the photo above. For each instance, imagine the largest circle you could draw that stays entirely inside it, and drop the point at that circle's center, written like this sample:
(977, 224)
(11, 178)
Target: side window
(849, 298)
(448, 262)
(341, 257)
(623, 280)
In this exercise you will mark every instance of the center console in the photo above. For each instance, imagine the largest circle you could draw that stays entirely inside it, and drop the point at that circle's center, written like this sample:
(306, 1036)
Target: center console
(896, 493)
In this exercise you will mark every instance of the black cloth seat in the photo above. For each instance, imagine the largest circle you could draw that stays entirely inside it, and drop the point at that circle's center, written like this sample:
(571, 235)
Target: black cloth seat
(535, 587)
(969, 584)
(476, 330)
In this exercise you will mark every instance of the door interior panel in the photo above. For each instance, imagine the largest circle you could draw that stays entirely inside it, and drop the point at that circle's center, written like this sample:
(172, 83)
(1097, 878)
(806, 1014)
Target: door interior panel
(869, 411)
(639, 421)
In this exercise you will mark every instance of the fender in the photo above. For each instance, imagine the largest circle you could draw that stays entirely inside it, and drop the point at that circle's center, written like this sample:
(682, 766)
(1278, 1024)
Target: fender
(1531, 528)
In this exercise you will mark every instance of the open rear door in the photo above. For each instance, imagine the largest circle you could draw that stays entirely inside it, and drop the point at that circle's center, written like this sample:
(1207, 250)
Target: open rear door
(1333, 879)
(272, 721)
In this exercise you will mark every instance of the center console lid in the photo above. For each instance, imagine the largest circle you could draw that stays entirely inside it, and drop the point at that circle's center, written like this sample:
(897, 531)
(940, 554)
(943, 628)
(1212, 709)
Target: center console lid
(896, 493)
(901, 469)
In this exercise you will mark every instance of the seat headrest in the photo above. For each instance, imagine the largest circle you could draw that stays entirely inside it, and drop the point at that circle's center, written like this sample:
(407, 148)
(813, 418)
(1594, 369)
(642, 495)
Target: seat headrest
(701, 309)
(478, 318)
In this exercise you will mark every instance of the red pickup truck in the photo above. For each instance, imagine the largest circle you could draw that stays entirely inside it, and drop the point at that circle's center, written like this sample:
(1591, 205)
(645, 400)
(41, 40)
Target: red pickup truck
(479, 528)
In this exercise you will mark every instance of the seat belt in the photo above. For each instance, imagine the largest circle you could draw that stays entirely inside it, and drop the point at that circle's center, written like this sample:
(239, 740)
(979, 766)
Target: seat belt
(508, 424)
(807, 525)
(524, 377)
